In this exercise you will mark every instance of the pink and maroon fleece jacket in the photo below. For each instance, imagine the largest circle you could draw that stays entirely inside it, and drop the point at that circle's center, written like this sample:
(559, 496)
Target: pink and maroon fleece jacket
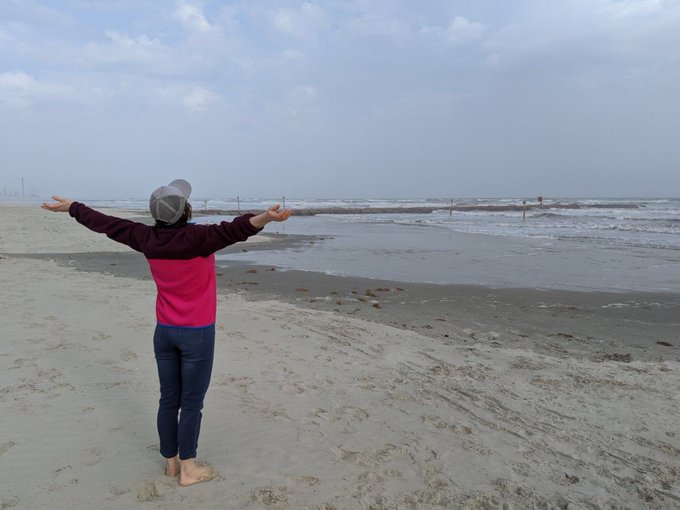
(182, 260)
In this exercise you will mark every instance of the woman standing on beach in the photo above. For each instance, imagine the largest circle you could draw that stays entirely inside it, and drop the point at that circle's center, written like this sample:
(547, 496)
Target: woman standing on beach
(181, 257)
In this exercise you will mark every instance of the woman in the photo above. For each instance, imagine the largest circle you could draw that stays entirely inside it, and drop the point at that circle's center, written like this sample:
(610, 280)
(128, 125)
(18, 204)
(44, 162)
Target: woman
(182, 262)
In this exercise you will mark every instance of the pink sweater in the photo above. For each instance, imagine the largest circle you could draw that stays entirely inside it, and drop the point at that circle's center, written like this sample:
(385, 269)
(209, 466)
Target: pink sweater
(181, 259)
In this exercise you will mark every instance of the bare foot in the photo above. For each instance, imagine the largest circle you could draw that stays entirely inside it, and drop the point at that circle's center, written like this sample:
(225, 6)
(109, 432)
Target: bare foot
(172, 466)
(192, 472)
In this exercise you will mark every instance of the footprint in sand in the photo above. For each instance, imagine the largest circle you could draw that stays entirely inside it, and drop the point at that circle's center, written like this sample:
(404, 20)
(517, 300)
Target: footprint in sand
(6, 446)
(99, 336)
(91, 456)
(237, 383)
(292, 388)
(370, 457)
(349, 413)
(270, 496)
(310, 437)
(147, 492)
(127, 355)
(119, 489)
(303, 480)
(439, 423)
(152, 490)
(252, 404)
(10, 502)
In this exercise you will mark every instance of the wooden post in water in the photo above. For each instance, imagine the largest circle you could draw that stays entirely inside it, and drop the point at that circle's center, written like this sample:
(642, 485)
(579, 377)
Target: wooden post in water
(284, 202)
(238, 204)
(451, 208)
(524, 209)
(205, 206)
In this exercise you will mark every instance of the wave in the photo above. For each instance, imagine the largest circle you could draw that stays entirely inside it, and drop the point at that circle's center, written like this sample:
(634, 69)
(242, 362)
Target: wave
(625, 242)
(550, 215)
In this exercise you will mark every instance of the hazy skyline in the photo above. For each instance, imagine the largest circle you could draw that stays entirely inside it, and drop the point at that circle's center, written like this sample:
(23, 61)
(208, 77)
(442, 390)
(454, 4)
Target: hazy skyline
(356, 98)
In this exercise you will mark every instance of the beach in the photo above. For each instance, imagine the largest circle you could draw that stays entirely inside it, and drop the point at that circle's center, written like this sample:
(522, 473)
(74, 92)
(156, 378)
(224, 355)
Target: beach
(332, 392)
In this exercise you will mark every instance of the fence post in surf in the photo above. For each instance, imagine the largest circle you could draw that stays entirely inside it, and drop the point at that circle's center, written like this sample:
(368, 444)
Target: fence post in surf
(284, 202)
(238, 204)
(540, 201)
(205, 206)
(451, 208)
(524, 209)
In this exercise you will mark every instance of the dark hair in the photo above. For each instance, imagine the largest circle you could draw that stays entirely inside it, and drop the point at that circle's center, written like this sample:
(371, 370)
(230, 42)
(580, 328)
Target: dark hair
(182, 222)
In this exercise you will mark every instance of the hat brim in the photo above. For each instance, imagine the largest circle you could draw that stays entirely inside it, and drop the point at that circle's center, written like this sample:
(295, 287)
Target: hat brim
(183, 186)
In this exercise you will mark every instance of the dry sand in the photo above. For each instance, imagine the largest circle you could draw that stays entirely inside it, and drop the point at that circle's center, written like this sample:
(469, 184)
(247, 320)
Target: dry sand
(313, 409)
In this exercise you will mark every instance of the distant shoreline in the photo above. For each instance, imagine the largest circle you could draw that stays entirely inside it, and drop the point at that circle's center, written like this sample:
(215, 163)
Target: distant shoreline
(428, 210)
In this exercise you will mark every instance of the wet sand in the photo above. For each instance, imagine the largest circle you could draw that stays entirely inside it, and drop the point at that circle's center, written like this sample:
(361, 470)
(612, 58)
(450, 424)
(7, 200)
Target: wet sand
(597, 325)
(332, 393)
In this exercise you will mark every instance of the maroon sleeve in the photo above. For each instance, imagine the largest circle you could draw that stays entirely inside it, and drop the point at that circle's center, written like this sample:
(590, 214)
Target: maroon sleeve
(215, 237)
(123, 231)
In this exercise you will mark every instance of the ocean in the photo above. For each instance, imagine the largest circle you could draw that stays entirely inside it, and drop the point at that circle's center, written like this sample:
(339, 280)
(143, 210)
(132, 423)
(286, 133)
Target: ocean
(635, 247)
(627, 244)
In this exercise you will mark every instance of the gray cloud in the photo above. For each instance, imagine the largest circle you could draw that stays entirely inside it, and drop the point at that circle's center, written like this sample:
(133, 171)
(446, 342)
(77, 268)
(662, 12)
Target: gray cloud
(359, 98)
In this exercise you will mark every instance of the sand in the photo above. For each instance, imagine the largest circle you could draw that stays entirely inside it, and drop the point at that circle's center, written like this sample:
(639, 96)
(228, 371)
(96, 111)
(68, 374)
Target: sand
(313, 408)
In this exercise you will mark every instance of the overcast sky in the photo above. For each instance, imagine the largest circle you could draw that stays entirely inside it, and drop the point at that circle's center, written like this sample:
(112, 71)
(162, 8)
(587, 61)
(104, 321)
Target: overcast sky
(344, 98)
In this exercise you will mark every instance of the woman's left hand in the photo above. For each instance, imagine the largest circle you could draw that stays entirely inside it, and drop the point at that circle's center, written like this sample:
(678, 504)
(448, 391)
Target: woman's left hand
(272, 214)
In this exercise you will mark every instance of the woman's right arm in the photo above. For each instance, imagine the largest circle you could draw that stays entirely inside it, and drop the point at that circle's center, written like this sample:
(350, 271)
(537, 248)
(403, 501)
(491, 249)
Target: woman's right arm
(120, 230)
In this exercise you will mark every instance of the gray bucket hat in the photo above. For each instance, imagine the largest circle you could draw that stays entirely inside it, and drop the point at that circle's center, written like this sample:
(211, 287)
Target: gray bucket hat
(167, 202)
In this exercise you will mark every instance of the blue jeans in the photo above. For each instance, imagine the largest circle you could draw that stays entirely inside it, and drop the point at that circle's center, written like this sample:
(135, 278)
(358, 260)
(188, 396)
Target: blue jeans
(185, 358)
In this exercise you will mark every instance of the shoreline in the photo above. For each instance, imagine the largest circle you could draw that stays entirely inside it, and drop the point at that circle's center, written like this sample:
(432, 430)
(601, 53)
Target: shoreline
(597, 325)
